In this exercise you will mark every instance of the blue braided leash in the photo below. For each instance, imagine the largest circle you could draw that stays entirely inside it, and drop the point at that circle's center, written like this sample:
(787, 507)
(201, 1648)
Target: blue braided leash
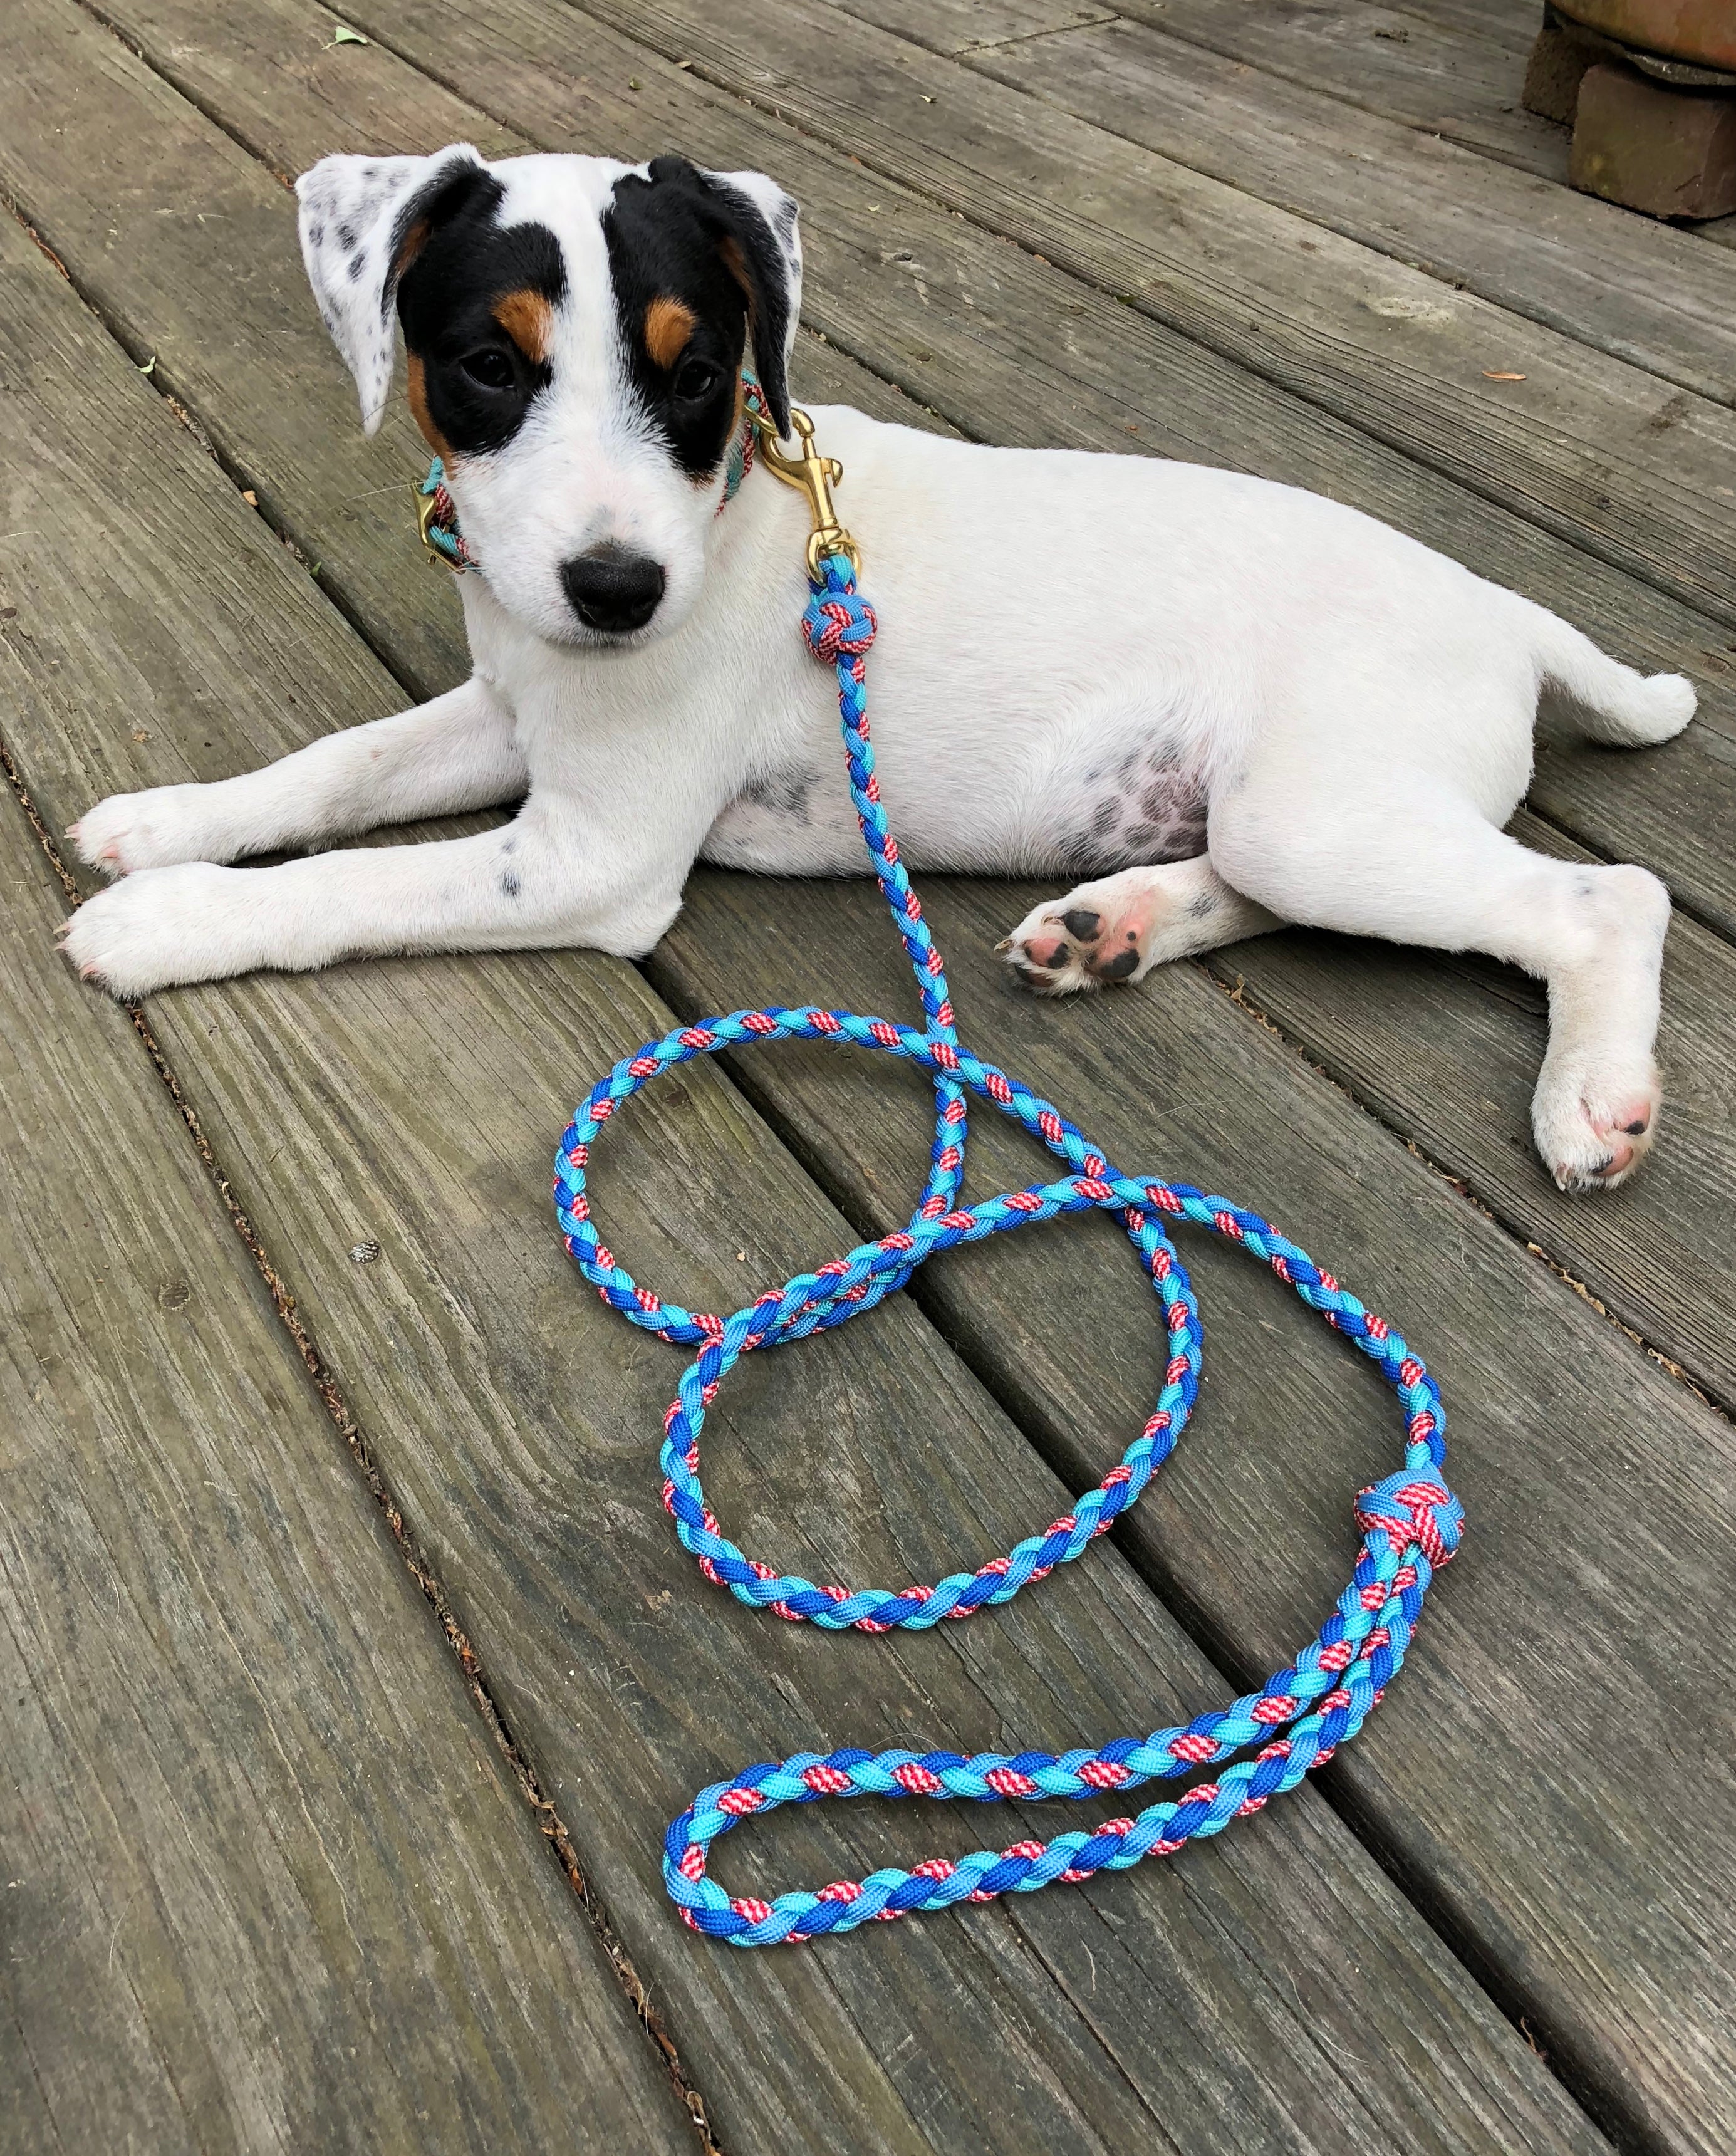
(1411, 1522)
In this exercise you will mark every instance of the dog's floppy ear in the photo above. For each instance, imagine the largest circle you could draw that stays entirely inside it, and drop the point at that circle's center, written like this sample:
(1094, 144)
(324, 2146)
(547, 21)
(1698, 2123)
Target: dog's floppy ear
(763, 250)
(362, 220)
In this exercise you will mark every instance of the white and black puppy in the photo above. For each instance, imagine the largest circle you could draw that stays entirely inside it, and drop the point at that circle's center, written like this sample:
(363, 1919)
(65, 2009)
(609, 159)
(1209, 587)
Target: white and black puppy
(1224, 703)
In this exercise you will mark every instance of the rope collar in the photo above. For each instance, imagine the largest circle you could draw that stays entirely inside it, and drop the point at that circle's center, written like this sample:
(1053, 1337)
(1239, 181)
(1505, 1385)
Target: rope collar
(1410, 1522)
(437, 512)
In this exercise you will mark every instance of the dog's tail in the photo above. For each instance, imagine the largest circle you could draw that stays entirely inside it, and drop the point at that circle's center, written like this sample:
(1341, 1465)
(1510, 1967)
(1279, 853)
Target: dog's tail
(1601, 698)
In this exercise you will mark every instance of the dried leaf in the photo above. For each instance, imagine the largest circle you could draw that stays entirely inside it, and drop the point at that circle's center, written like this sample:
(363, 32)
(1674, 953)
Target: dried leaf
(1489, 375)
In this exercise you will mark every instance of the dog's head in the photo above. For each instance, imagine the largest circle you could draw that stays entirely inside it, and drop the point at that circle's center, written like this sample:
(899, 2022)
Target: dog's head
(575, 331)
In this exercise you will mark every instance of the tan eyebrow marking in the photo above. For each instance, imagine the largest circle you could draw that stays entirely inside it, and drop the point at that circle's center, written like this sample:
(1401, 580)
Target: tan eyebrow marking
(529, 320)
(668, 326)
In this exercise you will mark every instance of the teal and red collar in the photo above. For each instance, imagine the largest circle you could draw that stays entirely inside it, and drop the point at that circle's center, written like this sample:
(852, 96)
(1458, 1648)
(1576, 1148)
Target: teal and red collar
(437, 512)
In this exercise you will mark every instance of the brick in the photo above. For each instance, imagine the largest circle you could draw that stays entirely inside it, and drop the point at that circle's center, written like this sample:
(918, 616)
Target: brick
(1670, 152)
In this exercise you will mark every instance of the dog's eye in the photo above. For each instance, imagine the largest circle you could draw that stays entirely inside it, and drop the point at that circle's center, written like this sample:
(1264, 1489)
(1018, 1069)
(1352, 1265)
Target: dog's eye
(695, 378)
(492, 369)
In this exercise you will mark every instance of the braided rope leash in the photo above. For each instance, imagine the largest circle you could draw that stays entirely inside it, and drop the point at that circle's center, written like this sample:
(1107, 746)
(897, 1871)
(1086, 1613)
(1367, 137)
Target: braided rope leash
(1411, 1522)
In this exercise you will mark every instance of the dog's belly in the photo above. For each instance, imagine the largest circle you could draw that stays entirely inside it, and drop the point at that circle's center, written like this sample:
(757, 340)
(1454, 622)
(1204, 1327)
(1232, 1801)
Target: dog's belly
(1128, 808)
(797, 820)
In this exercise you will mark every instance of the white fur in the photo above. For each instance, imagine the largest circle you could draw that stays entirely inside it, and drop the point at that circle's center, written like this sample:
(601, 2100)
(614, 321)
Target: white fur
(1356, 711)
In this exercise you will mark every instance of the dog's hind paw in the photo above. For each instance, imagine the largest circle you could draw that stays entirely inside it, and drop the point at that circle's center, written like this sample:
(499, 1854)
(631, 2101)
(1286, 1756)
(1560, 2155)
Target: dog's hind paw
(1593, 1128)
(1096, 936)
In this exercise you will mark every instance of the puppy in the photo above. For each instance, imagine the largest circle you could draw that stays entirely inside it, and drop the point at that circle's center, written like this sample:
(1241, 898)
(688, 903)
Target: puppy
(1223, 704)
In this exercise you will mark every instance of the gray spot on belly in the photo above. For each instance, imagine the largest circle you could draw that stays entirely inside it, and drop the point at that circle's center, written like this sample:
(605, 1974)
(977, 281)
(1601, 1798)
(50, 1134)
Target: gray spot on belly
(510, 886)
(783, 793)
(1157, 813)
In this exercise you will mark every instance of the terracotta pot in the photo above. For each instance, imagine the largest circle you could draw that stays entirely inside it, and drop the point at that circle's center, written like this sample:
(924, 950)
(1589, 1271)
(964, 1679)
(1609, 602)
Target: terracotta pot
(1701, 31)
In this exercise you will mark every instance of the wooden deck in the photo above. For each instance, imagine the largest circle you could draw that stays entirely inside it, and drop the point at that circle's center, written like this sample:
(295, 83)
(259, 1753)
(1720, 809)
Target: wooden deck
(352, 1670)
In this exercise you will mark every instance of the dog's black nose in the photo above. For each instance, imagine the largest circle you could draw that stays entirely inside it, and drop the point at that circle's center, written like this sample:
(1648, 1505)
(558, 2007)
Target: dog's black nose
(613, 588)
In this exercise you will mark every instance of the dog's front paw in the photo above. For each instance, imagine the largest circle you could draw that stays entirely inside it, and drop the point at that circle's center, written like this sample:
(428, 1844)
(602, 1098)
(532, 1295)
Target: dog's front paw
(158, 828)
(1594, 1127)
(159, 926)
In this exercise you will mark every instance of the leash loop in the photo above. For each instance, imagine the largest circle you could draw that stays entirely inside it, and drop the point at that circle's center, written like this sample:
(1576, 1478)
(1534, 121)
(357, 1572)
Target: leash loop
(1411, 1523)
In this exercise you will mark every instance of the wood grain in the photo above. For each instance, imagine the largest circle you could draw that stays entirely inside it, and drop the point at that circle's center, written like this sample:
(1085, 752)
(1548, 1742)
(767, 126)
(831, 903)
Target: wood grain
(1663, 2091)
(267, 1883)
(1592, 449)
(1503, 1791)
(1434, 67)
(1453, 70)
(1645, 292)
(1008, 350)
(1447, 1049)
(1283, 1995)
(1643, 1264)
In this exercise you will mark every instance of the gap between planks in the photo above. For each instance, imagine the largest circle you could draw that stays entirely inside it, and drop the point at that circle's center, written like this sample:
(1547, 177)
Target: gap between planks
(331, 1397)
(1521, 2025)
(662, 983)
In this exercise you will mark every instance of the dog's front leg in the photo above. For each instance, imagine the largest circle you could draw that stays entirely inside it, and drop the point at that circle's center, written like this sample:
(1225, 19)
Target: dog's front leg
(456, 753)
(542, 880)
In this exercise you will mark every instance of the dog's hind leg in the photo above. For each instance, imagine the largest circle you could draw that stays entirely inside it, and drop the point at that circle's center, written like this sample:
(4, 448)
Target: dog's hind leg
(1120, 926)
(1414, 862)
(456, 753)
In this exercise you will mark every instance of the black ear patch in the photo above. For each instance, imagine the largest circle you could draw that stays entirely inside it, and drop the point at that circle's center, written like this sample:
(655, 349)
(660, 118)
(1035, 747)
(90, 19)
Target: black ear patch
(477, 303)
(696, 274)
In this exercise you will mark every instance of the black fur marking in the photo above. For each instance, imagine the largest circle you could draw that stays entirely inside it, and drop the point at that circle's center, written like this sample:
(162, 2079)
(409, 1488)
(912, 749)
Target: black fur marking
(676, 235)
(509, 886)
(446, 298)
(1203, 906)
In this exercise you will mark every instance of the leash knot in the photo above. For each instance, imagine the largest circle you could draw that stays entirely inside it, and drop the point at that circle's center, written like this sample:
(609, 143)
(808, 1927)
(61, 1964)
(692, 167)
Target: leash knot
(838, 622)
(1410, 1509)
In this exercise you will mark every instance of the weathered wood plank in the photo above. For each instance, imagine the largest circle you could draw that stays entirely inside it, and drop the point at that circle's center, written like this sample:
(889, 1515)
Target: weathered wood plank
(1282, 1995)
(1594, 449)
(1003, 346)
(1446, 1051)
(1677, 1305)
(1505, 1794)
(1536, 1920)
(1008, 349)
(267, 1883)
(1451, 70)
(1434, 72)
(1646, 292)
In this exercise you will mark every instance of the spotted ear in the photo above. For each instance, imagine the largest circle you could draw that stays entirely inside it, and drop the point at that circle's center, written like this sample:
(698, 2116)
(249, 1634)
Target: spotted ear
(362, 220)
(761, 219)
